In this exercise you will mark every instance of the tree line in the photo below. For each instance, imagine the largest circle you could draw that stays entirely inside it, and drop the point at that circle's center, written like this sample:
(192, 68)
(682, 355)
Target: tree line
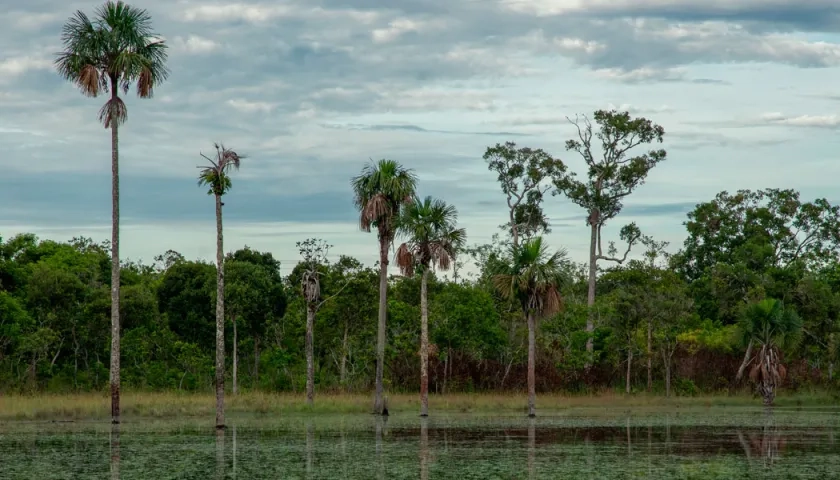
(755, 276)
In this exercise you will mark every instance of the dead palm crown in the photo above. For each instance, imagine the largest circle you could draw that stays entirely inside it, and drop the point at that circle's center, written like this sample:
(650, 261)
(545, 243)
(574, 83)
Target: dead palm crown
(773, 328)
(216, 175)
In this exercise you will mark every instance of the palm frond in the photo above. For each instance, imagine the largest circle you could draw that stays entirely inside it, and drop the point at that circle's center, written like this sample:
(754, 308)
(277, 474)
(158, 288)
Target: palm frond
(111, 51)
(379, 191)
(114, 112)
(216, 176)
(405, 260)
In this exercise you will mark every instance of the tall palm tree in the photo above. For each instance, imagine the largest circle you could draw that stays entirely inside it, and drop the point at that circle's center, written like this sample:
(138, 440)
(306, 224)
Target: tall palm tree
(216, 177)
(432, 239)
(378, 193)
(106, 55)
(771, 328)
(533, 277)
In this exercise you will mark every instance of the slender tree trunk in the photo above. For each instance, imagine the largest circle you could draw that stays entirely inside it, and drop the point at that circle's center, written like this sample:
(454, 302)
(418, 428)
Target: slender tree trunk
(590, 296)
(629, 364)
(220, 318)
(649, 355)
(379, 402)
(310, 360)
(424, 344)
(235, 359)
(256, 361)
(666, 359)
(115, 267)
(744, 363)
(532, 359)
(343, 373)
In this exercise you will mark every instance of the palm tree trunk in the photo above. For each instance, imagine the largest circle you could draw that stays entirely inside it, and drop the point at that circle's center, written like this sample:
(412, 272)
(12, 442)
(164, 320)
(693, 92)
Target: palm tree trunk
(744, 363)
(379, 403)
(115, 268)
(649, 355)
(310, 360)
(235, 359)
(424, 343)
(220, 318)
(256, 381)
(343, 372)
(590, 296)
(532, 357)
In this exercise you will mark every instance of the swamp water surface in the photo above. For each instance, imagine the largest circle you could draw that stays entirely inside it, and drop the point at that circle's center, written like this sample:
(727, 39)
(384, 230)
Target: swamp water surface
(707, 443)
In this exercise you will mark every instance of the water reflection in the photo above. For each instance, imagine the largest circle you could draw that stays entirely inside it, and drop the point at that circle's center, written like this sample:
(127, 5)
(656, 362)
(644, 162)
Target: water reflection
(532, 447)
(114, 440)
(310, 445)
(783, 445)
(424, 448)
(381, 423)
(765, 446)
(220, 453)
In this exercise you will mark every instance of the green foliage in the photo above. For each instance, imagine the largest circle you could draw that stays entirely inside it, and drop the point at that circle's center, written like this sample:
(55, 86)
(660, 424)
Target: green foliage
(54, 307)
(525, 175)
(612, 173)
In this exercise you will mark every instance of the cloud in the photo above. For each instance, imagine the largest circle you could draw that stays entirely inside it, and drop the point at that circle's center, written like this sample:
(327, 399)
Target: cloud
(816, 121)
(311, 90)
(249, 106)
(13, 66)
(401, 26)
(194, 44)
(415, 128)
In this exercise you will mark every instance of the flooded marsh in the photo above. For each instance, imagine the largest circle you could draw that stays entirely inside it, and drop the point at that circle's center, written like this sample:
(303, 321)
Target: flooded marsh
(702, 443)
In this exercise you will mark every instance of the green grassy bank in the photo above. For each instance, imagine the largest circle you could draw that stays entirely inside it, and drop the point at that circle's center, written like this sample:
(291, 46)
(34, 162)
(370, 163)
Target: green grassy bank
(95, 406)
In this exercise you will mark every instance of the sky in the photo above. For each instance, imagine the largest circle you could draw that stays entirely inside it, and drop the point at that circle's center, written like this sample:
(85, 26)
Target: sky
(748, 92)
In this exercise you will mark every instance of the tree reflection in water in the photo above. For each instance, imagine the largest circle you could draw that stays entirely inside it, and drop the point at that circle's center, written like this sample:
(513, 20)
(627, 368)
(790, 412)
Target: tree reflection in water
(115, 451)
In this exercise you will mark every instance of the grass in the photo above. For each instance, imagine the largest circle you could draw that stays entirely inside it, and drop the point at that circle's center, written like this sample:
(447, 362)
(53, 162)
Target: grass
(96, 406)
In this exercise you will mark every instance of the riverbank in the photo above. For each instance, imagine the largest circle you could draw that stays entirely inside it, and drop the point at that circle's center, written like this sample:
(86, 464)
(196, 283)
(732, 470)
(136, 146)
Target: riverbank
(96, 406)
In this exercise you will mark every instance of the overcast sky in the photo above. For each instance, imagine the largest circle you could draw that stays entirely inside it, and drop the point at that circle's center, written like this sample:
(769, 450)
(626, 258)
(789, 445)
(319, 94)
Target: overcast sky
(747, 90)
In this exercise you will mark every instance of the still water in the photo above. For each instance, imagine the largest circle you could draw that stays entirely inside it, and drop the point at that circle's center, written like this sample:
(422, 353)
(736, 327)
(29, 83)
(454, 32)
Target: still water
(706, 443)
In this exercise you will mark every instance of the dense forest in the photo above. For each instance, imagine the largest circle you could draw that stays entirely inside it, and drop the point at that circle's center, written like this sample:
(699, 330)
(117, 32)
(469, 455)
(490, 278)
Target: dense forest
(689, 312)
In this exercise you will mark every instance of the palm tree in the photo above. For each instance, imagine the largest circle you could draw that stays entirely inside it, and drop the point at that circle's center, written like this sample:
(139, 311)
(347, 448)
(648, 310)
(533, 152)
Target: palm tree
(217, 178)
(106, 55)
(533, 277)
(432, 240)
(378, 193)
(771, 328)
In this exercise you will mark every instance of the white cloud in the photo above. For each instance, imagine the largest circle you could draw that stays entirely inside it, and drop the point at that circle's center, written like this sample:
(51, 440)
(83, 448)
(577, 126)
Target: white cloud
(12, 66)
(400, 26)
(821, 121)
(237, 11)
(261, 13)
(194, 44)
(640, 74)
(564, 7)
(248, 106)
